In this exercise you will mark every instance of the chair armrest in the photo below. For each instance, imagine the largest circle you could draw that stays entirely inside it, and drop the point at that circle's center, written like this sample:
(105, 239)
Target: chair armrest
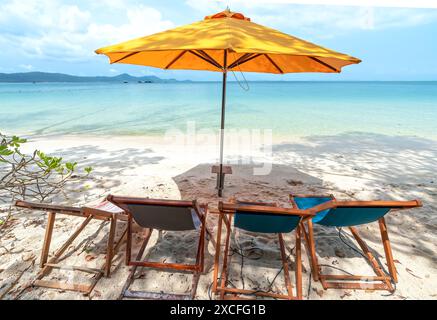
(46, 207)
(250, 203)
(201, 209)
(292, 196)
(230, 208)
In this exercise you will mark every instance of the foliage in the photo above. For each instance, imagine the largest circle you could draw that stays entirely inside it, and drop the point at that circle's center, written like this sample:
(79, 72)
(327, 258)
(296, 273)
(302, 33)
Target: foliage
(36, 176)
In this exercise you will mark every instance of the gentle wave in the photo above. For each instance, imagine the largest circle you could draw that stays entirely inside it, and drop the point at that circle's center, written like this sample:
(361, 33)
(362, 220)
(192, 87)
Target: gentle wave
(290, 109)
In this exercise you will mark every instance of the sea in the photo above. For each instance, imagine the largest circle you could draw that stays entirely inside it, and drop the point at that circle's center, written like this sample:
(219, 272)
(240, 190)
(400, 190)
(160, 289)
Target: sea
(288, 109)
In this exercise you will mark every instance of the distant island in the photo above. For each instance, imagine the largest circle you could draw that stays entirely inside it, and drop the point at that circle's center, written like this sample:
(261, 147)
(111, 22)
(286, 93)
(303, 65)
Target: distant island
(35, 77)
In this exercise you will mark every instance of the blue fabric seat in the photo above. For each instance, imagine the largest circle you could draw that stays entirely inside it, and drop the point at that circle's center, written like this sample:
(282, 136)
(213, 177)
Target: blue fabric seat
(352, 216)
(310, 202)
(341, 216)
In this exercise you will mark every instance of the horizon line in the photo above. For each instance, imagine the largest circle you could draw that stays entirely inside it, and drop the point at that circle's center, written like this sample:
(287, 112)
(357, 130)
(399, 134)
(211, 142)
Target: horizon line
(190, 80)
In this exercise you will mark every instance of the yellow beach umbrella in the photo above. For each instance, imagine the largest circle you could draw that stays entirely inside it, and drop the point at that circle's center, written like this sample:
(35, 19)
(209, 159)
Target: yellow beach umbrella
(224, 42)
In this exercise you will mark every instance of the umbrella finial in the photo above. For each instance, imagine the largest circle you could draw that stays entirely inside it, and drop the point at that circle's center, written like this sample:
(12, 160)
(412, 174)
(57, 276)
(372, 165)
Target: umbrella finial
(227, 13)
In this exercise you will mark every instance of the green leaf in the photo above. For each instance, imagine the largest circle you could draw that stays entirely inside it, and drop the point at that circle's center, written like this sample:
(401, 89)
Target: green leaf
(60, 169)
(88, 170)
(16, 141)
(71, 166)
(4, 151)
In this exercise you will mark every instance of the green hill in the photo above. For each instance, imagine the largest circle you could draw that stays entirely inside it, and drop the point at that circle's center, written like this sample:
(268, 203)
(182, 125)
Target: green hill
(59, 77)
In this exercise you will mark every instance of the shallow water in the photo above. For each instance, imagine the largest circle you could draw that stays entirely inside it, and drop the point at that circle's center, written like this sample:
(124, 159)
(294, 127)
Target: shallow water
(290, 109)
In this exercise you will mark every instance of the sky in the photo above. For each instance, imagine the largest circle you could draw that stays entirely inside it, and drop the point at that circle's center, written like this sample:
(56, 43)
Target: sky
(395, 43)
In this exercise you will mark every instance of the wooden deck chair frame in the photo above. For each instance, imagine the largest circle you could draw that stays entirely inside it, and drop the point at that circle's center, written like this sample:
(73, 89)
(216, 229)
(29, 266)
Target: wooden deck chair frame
(382, 280)
(196, 269)
(47, 265)
(226, 215)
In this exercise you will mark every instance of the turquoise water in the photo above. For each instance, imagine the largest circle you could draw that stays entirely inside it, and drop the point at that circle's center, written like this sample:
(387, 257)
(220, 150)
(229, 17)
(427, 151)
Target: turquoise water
(290, 109)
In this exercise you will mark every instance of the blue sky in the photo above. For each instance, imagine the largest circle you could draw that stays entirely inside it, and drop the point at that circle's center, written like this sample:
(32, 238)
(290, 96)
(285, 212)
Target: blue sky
(61, 35)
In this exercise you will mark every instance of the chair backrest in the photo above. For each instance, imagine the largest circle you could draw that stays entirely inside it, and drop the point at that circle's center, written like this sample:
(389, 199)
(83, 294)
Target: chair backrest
(263, 218)
(170, 215)
(353, 213)
(308, 202)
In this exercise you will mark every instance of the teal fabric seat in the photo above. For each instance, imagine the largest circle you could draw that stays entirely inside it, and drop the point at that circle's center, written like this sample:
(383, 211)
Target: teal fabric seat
(342, 216)
(352, 216)
(265, 223)
(310, 202)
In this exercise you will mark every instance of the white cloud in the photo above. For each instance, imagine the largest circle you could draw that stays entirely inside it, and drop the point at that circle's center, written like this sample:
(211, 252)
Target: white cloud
(27, 67)
(35, 16)
(73, 19)
(323, 21)
(147, 72)
(141, 20)
(330, 20)
(210, 6)
(202, 4)
(51, 29)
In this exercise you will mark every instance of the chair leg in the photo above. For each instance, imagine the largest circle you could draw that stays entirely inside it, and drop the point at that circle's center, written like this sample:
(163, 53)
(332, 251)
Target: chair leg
(201, 248)
(129, 240)
(115, 249)
(298, 264)
(47, 238)
(110, 245)
(357, 282)
(202, 257)
(311, 244)
(285, 266)
(375, 265)
(387, 249)
(133, 270)
(235, 292)
(217, 254)
(224, 273)
(46, 270)
(52, 262)
(194, 285)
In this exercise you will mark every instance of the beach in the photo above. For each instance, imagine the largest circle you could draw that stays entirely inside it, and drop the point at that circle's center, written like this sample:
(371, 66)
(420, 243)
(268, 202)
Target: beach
(360, 166)
(284, 150)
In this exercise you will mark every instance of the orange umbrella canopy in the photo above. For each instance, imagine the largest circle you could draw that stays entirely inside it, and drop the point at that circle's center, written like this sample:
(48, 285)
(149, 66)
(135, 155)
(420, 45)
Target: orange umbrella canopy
(227, 41)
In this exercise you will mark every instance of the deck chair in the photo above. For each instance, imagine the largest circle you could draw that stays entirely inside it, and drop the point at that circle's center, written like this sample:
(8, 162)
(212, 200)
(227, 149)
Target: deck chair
(260, 218)
(104, 211)
(333, 213)
(168, 215)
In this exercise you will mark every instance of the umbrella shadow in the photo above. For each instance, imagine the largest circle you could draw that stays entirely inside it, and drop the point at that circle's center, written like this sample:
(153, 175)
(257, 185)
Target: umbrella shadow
(199, 183)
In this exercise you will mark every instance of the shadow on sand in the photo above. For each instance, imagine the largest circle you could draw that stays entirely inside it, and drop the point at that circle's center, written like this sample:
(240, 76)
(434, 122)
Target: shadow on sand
(383, 164)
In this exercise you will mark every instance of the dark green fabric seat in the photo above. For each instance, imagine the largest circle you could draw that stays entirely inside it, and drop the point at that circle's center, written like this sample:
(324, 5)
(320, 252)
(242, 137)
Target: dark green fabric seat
(265, 223)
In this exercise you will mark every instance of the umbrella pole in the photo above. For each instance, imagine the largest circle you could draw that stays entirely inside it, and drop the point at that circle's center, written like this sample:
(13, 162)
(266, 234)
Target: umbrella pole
(222, 128)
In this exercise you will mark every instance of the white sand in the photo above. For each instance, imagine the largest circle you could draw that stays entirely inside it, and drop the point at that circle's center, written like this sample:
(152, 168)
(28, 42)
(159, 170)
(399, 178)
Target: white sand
(351, 166)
